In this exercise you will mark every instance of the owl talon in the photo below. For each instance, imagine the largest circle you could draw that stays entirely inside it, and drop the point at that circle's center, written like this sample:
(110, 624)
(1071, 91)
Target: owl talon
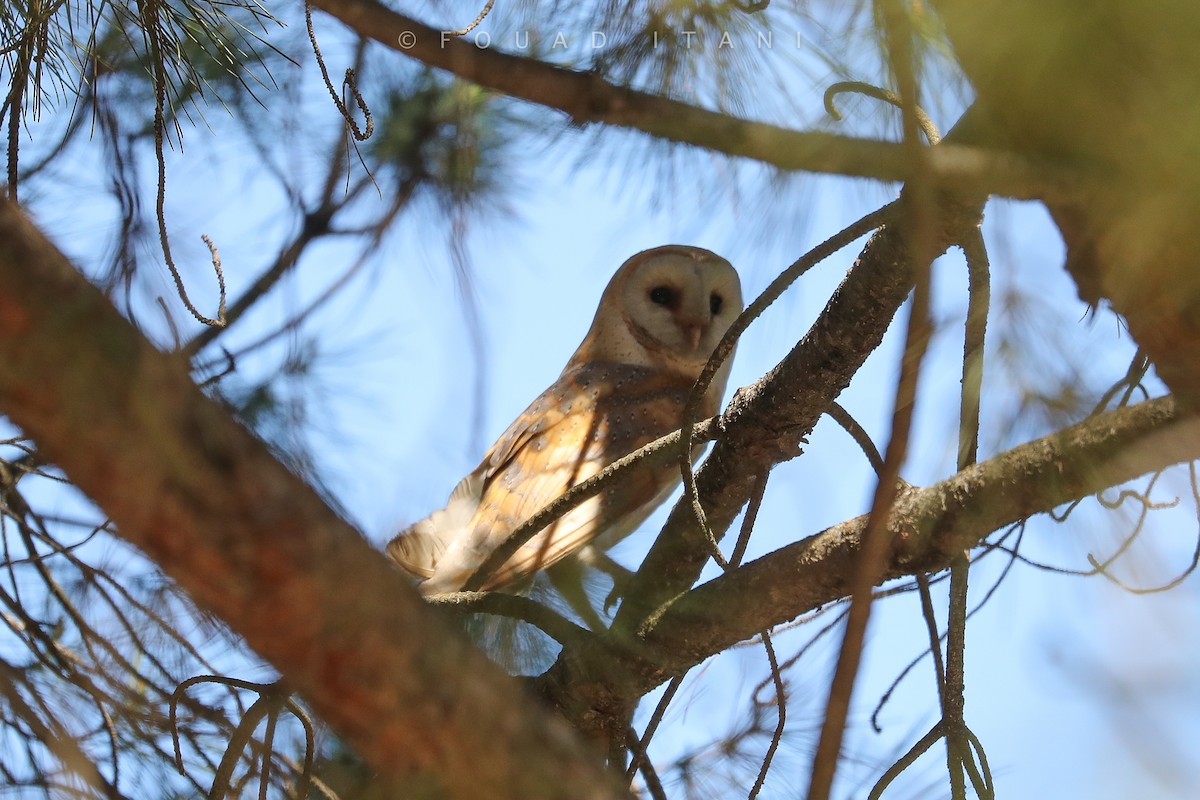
(620, 578)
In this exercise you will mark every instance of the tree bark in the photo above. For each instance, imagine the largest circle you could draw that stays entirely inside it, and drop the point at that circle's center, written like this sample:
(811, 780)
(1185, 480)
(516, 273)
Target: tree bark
(930, 527)
(253, 544)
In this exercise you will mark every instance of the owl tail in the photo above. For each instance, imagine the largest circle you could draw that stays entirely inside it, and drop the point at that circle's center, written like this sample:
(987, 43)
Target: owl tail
(418, 547)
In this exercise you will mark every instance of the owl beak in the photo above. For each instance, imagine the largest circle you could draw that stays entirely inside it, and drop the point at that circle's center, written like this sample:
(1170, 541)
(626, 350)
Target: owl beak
(694, 334)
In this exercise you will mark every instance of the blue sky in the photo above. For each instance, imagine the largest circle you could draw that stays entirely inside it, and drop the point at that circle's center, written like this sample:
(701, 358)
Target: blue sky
(1036, 652)
(1074, 687)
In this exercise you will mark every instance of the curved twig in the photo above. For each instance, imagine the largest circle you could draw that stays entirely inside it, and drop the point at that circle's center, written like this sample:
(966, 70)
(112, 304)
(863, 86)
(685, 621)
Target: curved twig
(981, 778)
(273, 698)
(904, 762)
(1139, 365)
(781, 704)
(348, 82)
(1102, 568)
(849, 424)
(264, 706)
(150, 23)
(859, 87)
(487, 9)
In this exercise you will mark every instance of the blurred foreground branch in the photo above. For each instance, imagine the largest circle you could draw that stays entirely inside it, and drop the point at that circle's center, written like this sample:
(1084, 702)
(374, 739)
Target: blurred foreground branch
(586, 97)
(254, 544)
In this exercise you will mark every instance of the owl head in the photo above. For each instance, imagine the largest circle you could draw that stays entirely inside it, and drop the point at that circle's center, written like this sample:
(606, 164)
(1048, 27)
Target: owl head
(665, 308)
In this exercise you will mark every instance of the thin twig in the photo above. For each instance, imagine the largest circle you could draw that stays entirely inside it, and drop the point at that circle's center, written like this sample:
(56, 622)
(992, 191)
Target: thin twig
(924, 121)
(748, 521)
(660, 709)
(153, 32)
(642, 762)
(1102, 568)
(726, 346)
(953, 706)
(1139, 365)
(904, 762)
(875, 542)
(931, 626)
(781, 704)
(478, 19)
(958, 753)
(348, 82)
(843, 417)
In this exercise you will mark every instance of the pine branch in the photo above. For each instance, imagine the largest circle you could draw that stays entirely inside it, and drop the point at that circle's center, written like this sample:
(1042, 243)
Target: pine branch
(586, 98)
(253, 544)
(930, 526)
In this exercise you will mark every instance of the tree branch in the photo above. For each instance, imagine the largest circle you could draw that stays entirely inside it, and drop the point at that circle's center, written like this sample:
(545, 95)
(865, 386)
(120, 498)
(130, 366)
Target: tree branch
(932, 525)
(596, 682)
(586, 97)
(255, 545)
(783, 406)
(786, 403)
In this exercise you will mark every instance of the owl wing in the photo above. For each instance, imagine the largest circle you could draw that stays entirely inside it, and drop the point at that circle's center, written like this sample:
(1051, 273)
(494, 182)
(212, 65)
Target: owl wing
(420, 547)
(594, 414)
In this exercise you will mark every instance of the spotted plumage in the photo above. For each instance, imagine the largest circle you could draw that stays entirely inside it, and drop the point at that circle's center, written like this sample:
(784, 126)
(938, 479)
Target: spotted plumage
(658, 321)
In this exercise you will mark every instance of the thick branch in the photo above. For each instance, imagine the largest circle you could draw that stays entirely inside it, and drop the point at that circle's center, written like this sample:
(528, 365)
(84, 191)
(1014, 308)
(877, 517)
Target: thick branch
(586, 97)
(596, 683)
(252, 543)
(932, 525)
(765, 421)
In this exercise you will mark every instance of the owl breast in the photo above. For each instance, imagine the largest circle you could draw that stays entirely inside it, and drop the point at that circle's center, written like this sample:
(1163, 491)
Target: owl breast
(594, 414)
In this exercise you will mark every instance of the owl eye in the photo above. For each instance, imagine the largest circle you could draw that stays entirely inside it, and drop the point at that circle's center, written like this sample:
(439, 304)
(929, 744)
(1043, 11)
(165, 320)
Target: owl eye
(663, 296)
(715, 303)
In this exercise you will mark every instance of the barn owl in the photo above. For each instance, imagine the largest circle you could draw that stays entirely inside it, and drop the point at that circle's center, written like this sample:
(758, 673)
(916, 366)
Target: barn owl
(659, 319)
